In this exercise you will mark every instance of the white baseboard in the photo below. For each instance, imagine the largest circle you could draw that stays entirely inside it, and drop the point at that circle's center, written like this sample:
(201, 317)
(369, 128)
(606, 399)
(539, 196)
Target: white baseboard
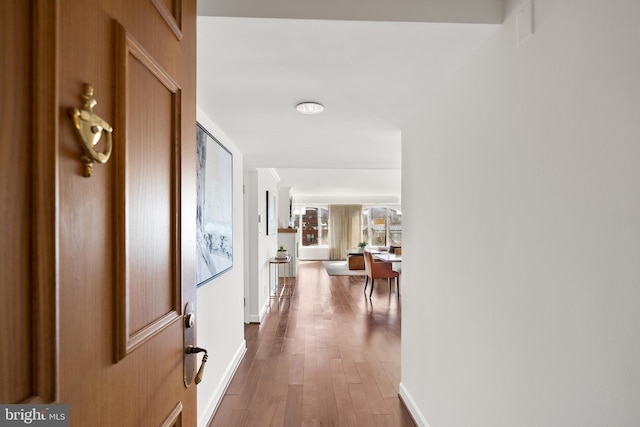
(258, 318)
(413, 409)
(216, 397)
(265, 307)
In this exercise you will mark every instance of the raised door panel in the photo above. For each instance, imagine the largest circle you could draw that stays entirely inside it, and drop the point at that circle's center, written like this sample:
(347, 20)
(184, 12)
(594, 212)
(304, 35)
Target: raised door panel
(147, 195)
(171, 11)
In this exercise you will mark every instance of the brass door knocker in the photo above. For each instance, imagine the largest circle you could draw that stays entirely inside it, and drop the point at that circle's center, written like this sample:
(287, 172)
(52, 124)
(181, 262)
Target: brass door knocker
(89, 127)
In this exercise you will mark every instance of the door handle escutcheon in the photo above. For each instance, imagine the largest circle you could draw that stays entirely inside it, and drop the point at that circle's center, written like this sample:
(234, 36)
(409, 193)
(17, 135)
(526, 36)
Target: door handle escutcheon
(189, 362)
(194, 350)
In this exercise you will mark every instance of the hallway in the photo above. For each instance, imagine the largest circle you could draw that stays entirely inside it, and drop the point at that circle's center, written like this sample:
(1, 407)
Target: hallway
(329, 357)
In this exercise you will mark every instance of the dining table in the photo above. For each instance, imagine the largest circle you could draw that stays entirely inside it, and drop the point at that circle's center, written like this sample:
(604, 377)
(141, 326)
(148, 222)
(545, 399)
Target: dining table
(387, 257)
(392, 258)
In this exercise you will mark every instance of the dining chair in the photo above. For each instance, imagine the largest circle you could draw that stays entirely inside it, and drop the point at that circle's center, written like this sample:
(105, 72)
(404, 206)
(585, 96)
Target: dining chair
(378, 270)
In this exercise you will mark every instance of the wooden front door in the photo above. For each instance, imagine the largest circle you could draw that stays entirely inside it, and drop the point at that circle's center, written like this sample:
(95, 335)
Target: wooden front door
(96, 271)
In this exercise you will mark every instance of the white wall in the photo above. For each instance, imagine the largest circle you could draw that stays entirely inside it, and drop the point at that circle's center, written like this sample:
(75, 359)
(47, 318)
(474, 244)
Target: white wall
(284, 197)
(220, 313)
(262, 246)
(314, 253)
(521, 294)
(252, 224)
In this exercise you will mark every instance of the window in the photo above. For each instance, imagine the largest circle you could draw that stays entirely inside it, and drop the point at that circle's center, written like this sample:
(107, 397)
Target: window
(323, 231)
(365, 226)
(382, 226)
(395, 227)
(314, 225)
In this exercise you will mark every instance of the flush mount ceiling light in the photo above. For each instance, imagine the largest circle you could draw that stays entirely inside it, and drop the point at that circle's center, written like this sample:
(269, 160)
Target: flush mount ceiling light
(310, 108)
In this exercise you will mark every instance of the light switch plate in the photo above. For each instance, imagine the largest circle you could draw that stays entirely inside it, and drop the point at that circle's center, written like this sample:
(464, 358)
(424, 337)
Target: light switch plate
(524, 22)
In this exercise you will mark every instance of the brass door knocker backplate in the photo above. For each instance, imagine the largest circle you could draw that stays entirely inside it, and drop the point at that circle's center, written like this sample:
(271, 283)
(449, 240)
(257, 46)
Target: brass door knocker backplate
(89, 128)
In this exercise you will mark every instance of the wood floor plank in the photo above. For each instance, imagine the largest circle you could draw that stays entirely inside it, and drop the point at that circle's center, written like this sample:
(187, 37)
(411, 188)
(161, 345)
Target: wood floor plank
(296, 372)
(359, 398)
(386, 387)
(364, 419)
(344, 404)
(263, 412)
(400, 415)
(250, 385)
(377, 403)
(392, 369)
(349, 363)
(223, 414)
(227, 415)
(382, 420)
(293, 406)
(241, 375)
(328, 357)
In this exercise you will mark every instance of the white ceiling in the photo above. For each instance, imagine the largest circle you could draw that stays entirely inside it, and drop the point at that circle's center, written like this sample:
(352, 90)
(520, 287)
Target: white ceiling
(326, 186)
(370, 76)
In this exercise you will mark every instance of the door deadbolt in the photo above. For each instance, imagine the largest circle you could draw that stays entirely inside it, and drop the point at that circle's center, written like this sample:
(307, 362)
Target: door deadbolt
(189, 320)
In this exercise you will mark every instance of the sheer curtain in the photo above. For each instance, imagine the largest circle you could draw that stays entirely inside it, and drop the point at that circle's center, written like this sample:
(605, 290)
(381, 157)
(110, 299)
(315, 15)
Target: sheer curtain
(345, 229)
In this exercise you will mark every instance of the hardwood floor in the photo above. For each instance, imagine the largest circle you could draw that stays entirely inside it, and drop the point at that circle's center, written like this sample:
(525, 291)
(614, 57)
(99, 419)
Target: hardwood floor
(329, 357)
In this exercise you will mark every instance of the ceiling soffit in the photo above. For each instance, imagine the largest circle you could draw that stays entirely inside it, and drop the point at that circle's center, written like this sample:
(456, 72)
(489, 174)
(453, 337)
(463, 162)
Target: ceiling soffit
(445, 11)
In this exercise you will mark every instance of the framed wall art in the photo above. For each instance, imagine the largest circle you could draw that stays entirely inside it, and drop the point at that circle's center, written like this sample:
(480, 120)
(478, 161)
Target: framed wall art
(271, 214)
(214, 210)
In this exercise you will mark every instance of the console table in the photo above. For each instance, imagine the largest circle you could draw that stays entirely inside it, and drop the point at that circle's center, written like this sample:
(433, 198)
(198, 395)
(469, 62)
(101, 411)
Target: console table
(284, 283)
(289, 238)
